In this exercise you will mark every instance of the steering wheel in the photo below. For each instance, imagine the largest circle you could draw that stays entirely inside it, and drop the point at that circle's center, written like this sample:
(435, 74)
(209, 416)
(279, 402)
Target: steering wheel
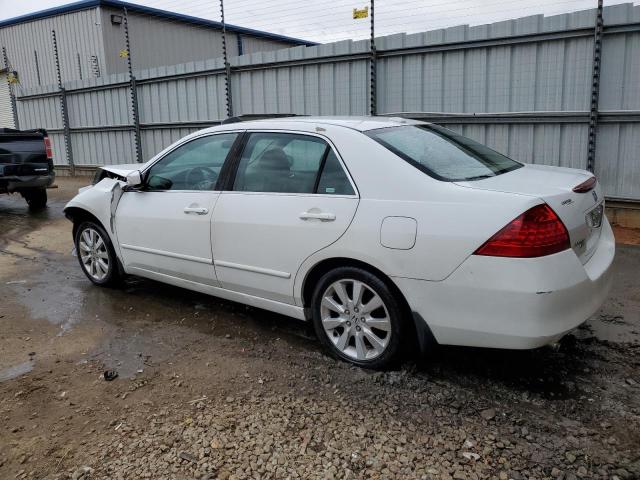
(201, 178)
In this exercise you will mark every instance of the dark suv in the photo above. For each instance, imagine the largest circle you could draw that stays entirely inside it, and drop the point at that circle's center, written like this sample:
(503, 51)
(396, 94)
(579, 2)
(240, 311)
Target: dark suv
(26, 165)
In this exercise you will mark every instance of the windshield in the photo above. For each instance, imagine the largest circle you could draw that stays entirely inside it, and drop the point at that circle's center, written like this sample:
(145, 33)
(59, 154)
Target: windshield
(442, 153)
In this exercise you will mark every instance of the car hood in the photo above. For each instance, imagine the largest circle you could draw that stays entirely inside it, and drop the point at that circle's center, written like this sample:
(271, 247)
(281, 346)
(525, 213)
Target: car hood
(122, 169)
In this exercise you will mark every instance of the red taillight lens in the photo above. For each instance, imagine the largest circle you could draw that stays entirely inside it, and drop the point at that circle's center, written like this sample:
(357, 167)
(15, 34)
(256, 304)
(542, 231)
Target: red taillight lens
(535, 233)
(585, 187)
(47, 147)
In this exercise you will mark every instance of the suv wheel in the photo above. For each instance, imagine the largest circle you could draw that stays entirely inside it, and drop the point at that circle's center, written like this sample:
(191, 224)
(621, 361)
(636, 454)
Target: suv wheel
(96, 255)
(357, 317)
(36, 198)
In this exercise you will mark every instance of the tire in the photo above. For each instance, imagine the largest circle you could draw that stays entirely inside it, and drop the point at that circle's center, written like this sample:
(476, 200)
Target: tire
(355, 331)
(36, 198)
(96, 255)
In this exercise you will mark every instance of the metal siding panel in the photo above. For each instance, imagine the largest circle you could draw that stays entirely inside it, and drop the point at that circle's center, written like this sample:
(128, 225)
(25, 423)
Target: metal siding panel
(499, 79)
(577, 74)
(546, 145)
(550, 62)
(454, 82)
(76, 32)
(522, 87)
(617, 161)
(312, 89)
(6, 112)
(412, 83)
(544, 75)
(284, 90)
(613, 72)
(631, 85)
(521, 143)
(326, 90)
(433, 84)
(475, 81)
(497, 137)
(57, 145)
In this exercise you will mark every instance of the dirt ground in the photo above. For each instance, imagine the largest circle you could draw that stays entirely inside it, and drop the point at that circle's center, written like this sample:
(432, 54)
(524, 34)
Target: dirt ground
(211, 389)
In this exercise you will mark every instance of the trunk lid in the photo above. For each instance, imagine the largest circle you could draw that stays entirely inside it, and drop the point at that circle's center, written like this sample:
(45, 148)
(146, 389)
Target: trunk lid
(581, 213)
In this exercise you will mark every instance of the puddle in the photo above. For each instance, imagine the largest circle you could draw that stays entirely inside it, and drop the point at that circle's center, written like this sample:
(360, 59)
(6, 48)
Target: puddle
(15, 371)
(610, 328)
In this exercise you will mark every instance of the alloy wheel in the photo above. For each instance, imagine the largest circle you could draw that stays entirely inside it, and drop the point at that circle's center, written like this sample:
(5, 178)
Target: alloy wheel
(355, 319)
(93, 254)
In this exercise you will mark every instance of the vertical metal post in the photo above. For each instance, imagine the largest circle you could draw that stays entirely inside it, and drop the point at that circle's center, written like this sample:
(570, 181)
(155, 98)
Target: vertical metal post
(595, 88)
(133, 90)
(227, 66)
(373, 107)
(79, 66)
(35, 58)
(12, 94)
(63, 108)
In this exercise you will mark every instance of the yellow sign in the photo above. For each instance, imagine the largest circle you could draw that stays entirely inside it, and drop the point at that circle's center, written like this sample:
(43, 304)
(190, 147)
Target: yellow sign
(12, 77)
(360, 13)
(124, 53)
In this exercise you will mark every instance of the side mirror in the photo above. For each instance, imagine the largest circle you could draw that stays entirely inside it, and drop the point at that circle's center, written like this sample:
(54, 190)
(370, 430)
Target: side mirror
(134, 179)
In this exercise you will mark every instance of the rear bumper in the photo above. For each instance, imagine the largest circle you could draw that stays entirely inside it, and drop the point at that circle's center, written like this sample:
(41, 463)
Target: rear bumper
(514, 303)
(24, 182)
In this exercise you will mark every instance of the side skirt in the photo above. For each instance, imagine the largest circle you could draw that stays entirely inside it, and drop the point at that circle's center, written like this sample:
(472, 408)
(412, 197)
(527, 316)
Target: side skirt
(271, 305)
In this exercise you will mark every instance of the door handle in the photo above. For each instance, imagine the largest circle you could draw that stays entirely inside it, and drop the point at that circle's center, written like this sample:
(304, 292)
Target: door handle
(324, 217)
(196, 210)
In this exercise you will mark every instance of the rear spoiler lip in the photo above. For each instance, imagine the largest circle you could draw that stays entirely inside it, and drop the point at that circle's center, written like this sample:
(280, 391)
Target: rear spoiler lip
(586, 186)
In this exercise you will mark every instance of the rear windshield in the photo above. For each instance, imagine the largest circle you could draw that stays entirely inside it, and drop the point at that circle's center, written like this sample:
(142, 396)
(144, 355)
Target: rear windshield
(442, 153)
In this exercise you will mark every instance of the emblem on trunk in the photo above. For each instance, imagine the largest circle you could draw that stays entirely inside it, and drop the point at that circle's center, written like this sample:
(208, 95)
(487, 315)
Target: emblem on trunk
(595, 195)
(568, 201)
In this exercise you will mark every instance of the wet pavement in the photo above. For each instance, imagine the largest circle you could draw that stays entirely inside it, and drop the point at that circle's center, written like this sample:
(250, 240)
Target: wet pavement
(59, 333)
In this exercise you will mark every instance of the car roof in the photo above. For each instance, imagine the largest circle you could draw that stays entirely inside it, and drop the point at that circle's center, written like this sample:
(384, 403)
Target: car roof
(361, 124)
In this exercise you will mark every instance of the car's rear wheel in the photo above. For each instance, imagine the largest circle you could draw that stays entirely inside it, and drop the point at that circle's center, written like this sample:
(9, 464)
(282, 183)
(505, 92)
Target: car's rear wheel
(96, 255)
(357, 317)
(36, 198)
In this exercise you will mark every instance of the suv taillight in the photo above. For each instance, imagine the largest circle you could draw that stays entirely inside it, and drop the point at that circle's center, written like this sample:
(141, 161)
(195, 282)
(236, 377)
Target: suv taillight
(535, 233)
(47, 147)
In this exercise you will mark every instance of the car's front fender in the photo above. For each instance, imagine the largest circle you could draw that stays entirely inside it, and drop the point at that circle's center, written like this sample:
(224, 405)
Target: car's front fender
(101, 201)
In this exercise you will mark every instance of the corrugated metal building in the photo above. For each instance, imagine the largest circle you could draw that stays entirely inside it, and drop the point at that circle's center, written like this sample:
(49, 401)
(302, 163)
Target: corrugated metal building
(6, 114)
(90, 36)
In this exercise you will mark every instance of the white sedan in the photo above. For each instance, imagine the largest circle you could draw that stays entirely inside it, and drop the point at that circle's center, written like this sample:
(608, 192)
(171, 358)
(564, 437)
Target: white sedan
(380, 231)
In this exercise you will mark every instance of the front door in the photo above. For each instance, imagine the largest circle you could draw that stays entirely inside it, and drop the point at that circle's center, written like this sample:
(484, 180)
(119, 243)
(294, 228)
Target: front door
(290, 198)
(165, 228)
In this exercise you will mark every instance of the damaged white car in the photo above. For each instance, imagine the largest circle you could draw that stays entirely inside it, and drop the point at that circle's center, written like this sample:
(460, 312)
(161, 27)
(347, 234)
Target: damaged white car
(381, 231)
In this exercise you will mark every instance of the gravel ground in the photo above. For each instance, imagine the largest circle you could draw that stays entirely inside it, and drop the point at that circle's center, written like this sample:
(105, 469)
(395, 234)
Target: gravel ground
(211, 389)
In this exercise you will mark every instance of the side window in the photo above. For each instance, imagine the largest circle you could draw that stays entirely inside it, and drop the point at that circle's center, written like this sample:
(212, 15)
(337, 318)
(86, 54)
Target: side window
(334, 180)
(192, 166)
(280, 162)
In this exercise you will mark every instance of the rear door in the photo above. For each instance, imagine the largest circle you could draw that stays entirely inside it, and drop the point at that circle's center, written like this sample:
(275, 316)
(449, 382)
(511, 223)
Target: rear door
(288, 197)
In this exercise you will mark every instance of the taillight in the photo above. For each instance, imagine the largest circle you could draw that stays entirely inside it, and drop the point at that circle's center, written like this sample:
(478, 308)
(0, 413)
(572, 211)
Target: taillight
(47, 147)
(535, 233)
(586, 186)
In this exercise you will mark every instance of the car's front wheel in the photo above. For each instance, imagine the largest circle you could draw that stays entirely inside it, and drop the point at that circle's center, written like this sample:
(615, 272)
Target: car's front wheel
(96, 255)
(357, 317)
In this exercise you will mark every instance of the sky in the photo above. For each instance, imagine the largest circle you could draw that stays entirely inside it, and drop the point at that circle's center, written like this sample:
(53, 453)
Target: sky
(331, 20)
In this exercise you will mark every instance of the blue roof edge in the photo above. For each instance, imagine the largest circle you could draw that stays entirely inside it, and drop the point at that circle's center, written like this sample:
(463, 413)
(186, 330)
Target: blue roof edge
(85, 4)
